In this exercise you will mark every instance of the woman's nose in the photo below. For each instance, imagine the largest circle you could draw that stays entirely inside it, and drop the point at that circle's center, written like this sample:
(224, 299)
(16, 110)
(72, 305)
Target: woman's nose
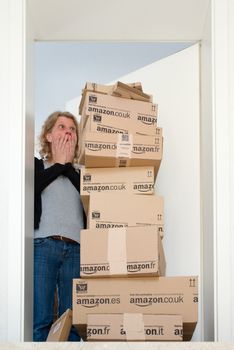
(68, 133)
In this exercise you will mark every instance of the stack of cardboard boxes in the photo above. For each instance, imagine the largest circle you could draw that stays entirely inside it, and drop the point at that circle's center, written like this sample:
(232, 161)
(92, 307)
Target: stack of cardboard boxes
(122, 293)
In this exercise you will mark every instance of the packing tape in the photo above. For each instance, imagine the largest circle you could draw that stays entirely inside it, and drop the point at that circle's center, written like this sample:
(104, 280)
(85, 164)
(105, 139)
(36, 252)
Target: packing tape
(133, 325)
(56, 327)
(116, 253)
(122, 162)
(94, 86)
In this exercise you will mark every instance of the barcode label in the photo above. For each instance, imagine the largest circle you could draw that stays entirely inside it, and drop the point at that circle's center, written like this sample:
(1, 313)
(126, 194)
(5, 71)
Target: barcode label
(124, 146)
(125, 137)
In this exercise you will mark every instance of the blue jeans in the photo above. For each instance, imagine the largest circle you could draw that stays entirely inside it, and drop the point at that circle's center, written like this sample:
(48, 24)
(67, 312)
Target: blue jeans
(56, 263)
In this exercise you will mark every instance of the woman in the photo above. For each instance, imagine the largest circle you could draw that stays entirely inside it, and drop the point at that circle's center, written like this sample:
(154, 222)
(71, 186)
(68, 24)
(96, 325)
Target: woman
(58, 220)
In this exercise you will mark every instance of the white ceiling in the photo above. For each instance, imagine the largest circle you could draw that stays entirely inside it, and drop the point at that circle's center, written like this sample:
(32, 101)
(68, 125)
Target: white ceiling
(118, 20)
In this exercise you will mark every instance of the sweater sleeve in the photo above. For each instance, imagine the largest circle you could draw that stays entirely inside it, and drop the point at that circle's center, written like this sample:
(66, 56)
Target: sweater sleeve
(43, 177)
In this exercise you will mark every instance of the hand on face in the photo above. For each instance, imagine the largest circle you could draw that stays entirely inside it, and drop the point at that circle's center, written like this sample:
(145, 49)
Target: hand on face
(59, 149)
(63, 140)
(70, 148)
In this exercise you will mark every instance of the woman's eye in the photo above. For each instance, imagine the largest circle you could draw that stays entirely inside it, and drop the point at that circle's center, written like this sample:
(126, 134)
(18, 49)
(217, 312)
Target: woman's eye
(72, 128)
(61, 126)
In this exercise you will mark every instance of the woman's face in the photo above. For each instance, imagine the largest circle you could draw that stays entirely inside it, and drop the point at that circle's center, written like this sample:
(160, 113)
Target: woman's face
(64, 127)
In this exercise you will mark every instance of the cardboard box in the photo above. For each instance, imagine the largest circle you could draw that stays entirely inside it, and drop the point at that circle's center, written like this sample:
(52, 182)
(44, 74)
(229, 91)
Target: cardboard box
(134, 327)
(120, 150)
(95, 122)
(102, 89)
(93, 87)
(133, 180)
(60, 329)
(123, 252)
(148, 295)
(123, 210)
(122, 108)
(123, 90)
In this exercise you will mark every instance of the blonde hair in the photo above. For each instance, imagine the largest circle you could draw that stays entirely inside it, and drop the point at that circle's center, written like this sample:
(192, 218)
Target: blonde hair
(45, 145)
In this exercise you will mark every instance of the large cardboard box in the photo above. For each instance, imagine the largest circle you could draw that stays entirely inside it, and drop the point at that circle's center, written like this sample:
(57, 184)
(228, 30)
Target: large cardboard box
(122, 108)
(148, 295)
(60, 329)
(95, 122)
(123, 252)
(123, 210)
(134, 327)
(133, 180)
(120, 150)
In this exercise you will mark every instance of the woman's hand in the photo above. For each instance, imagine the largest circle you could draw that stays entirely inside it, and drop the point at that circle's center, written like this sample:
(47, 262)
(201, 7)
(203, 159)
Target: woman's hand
(59, 149)
(70, 149)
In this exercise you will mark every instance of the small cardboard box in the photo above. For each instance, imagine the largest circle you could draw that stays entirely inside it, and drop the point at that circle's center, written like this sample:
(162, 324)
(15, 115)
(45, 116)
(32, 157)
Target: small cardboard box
(123, 252)
(123, 90)
(60, 329)
(134, 327)
(120, 150)
(122, 108)
(108, 210)
(133, 180)
(148, 295)
(94, 122)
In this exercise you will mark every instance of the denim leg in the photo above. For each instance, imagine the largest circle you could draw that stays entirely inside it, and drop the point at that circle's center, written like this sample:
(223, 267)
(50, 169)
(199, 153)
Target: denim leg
(69, 269)
(46, 265)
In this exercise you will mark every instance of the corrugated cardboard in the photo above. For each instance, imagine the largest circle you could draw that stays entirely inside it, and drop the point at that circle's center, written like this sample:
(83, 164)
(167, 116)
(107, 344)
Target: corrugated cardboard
(123, 252)
(134, 327)
(60, 329)
(133, 180)
(122, 108)
(120, 150)
(148, 295)
(123, 90)
(94, 122)
(123, 210)
(93, 87)
(102, 89)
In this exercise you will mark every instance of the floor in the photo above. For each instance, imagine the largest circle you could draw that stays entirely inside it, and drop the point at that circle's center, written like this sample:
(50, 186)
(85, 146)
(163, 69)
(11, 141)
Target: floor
(117, 346)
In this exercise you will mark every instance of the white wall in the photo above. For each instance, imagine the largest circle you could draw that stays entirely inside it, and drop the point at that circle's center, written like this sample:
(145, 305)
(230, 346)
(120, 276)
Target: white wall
(4, 71)
(16, 185)
(207, 238)
(29, 180)
(222, 87)
(109, 20)
(231, 133)
(12, 174)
